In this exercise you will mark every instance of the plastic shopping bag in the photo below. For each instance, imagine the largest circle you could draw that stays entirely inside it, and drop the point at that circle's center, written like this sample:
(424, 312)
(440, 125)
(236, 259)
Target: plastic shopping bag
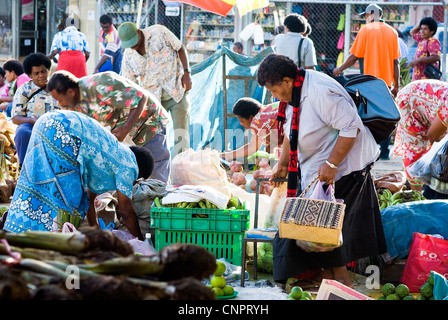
(321, 194)
(201, 168)
(439, 165)
(421, 169)
(427, 253)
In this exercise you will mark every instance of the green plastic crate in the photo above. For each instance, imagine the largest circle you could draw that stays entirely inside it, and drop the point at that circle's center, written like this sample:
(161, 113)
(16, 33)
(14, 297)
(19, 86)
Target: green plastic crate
(197, 219)
(219, 231)
(227, 245)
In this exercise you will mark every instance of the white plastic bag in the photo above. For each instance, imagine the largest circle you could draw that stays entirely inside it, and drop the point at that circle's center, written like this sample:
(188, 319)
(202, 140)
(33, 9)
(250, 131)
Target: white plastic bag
(199, 168)
(276, 204)
(421, 169)
(321, 194)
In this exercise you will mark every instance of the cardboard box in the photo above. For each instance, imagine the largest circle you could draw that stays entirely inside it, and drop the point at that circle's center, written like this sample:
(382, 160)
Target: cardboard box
(334, 290)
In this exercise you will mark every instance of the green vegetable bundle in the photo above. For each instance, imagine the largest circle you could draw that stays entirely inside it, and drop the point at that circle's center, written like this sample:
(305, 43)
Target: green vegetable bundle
(49, 261)
(64, 216)
(387, 199)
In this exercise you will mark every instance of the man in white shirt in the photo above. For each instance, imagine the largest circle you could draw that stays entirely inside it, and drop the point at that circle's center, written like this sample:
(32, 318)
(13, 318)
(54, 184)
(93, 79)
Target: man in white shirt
(287, 43)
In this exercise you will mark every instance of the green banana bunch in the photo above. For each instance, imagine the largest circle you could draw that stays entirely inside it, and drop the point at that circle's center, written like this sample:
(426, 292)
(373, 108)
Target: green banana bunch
(386, 198)
(157, 202)
(234, 204)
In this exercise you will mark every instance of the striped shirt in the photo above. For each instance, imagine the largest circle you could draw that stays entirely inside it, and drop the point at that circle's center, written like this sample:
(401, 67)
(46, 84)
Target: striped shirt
(110, 42)
(70, 39)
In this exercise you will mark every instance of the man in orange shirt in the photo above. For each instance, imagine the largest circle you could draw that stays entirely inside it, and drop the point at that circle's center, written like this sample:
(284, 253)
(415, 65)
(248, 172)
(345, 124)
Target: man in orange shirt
(377, 43)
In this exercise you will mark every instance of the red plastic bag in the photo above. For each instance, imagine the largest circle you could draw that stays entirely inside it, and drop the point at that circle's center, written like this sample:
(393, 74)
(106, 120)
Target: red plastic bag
(426, 254)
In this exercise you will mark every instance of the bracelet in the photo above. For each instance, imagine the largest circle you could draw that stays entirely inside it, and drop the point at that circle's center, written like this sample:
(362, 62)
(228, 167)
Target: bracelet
(331, 165)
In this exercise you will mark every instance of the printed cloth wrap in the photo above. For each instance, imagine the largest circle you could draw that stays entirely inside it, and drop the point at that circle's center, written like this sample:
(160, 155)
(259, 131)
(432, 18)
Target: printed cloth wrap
(68, 152)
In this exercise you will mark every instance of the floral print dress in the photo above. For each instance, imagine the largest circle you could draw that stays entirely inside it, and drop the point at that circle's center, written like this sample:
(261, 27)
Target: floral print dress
(432, 45)
(160, 68)
(109, 98)
(420, 102)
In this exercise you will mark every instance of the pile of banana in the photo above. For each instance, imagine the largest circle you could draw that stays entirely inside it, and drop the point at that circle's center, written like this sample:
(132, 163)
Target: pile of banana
(233, 204)
(204, 204)
(387, 198)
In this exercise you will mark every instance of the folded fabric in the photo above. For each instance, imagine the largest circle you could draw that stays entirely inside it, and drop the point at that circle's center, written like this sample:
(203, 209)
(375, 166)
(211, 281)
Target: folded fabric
(340, 59)
(258, 34)
(192, 193)
(247, 32)
(261, 233)
(341, 24)
(341, 40)
(253, 30)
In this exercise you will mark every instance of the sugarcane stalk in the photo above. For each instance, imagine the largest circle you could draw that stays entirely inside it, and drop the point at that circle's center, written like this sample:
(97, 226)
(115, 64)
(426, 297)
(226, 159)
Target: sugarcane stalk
(162, 285)
(63, 266)
(71, 243)
(43, 267)
(62, 242)
(131, 265)
(39, 254)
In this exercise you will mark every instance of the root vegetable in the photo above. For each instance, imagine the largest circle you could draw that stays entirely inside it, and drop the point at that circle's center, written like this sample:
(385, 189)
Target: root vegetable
(110, 288)
(55, 292)
(186, 260)
(236, 166)
(264, 163)
(191, 289)
(239, 178)
(253, 185)
(266, 188)
(257, 174)
(12, 286)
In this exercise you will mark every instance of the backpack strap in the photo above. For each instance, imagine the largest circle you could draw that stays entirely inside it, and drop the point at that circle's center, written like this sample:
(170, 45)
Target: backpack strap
(36, 92)
(299, 51)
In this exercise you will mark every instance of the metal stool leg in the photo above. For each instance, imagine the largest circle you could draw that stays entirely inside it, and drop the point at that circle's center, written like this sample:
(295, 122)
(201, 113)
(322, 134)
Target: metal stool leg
(255, 260)
(243, 263)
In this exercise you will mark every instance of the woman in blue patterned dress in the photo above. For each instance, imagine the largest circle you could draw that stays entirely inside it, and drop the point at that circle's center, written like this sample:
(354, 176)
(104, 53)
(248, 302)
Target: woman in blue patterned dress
(71, 158)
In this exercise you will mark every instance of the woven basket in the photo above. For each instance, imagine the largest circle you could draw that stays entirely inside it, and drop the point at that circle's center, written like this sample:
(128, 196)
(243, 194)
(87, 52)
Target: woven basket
(311, 219)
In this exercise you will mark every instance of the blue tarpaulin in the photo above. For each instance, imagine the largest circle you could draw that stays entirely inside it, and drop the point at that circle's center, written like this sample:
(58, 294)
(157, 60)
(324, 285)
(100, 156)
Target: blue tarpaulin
(402, 220)
(207, 99)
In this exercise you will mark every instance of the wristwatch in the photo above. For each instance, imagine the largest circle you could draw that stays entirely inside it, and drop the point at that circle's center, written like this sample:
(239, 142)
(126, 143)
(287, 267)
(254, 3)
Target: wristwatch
(187, 70)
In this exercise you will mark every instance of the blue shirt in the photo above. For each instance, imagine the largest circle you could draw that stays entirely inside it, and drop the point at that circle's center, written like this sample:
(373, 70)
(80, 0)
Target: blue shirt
(70, 39)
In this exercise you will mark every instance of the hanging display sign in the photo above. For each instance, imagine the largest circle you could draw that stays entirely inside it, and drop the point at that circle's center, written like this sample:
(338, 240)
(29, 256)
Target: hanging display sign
(172, 11)
(27, 9)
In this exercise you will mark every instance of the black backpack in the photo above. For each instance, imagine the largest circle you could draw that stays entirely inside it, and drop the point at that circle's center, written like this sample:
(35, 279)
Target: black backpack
(376, 106)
